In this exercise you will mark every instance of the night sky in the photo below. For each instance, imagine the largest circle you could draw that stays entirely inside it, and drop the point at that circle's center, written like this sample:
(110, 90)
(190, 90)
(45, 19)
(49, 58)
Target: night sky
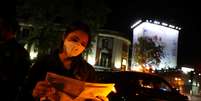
(182, 13)
(185, 15)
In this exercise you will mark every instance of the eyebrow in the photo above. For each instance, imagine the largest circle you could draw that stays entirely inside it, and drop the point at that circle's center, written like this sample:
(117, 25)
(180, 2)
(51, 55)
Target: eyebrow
(77, 38)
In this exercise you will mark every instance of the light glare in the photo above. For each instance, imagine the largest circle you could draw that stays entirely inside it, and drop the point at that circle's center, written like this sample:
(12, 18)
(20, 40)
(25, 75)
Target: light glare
(164, 24)
(156, 22)
(135, 24)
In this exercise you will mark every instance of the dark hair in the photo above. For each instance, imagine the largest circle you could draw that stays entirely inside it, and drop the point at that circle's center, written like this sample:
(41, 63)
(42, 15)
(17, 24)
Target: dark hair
(77, 25)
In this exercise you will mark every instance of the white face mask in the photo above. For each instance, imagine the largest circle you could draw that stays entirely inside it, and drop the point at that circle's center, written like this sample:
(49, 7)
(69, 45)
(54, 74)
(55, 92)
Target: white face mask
(73, 48)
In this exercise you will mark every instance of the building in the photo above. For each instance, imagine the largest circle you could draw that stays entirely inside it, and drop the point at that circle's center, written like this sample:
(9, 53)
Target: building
(162, 34)
(110, 51)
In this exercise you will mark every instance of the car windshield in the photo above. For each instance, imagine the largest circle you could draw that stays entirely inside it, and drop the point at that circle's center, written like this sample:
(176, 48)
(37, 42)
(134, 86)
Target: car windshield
(129, 81)
(156, 84)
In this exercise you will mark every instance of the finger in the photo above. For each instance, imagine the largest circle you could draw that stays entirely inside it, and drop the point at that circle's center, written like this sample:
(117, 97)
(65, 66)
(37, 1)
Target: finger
(102, 98)
(40, 89)
(51, 91)
(39, 92)
(43, 83)
(92, 99)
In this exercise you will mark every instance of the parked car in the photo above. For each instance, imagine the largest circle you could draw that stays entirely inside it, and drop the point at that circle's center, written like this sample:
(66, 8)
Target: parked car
(137, 86)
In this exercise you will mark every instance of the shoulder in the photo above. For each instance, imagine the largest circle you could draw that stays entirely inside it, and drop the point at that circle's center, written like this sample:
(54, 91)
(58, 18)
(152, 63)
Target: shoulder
(85, 70)
(89, 66)
(47, 61)
(39, 68)
(85, 64)
(91, 75)
(44, 59)
(53, 56)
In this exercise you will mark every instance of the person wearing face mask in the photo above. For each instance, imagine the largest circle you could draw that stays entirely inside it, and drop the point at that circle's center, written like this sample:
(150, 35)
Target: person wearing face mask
(67, 61)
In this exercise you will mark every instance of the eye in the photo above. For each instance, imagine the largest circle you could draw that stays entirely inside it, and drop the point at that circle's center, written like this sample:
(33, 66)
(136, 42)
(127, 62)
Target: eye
(74, 39)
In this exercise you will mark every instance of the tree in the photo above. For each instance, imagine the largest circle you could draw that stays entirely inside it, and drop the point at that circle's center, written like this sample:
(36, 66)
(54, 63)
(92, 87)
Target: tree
(148, 52)
(49, 18)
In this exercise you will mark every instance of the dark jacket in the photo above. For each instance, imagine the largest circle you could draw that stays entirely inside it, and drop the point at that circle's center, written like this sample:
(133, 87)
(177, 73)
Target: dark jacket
(14, 65)
(80, 69)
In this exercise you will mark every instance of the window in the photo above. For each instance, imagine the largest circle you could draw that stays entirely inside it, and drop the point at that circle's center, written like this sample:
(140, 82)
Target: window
(125, 47)
(105, 43)
(105, 60)
(25, 33)
(154, 84)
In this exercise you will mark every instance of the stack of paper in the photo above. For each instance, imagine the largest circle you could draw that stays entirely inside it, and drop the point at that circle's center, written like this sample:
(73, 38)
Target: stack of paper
(68, 87)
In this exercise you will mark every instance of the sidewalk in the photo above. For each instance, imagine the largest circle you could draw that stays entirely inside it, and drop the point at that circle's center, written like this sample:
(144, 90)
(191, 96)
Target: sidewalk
(194, 97)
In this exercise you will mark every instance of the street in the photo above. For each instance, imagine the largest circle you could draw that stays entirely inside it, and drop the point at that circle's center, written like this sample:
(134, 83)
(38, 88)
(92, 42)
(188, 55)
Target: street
(194, 98)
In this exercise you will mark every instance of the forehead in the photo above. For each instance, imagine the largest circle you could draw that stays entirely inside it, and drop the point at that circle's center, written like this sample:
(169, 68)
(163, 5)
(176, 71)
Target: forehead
(83, 36)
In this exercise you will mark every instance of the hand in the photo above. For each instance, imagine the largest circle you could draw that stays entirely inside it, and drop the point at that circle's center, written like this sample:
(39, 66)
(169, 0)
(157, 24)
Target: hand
(97, 98)
(102, 98)
(42, 89)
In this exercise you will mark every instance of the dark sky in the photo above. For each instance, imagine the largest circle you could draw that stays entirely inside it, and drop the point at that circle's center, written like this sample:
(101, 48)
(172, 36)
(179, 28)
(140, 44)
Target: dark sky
(125, 13)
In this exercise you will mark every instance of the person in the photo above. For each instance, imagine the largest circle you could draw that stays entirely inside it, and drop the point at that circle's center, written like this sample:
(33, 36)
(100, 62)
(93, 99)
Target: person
(65, 61)
(14, 59)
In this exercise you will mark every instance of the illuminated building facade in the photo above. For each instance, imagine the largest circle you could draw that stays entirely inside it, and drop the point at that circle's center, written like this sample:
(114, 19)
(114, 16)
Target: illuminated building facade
(163, 34)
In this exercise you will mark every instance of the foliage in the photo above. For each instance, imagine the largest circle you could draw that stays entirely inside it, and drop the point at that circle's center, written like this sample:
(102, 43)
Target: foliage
(49, 18)
(148, 51)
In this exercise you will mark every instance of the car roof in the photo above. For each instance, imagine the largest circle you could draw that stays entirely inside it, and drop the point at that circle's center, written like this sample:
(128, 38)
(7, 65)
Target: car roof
(130, 73)
(126, 75)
